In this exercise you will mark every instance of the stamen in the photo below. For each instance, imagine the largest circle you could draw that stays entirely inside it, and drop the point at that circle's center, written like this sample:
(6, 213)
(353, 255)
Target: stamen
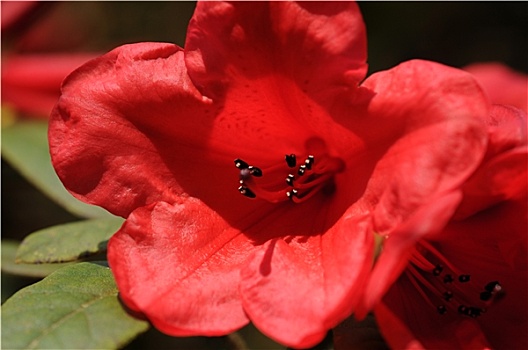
(267, 183)
(302, 170)
(441, 309)
(291, 160)
(246, 192)
(240, 164)
(292, 194)
(493, 287)
(464, 278)
(431, 273)
(253, 170)
(289, 179)
(309, 162)
(448, 279)
(448, 295)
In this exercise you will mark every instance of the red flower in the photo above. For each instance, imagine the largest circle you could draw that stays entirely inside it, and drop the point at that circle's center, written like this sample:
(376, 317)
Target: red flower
(466, 286)
(31, 75)
(502, 84)
(150, 132)
(31, 83)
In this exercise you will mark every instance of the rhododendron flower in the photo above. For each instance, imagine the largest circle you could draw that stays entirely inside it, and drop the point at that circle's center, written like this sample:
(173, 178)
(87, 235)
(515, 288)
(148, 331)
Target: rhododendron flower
(31, 83)
(32, 76)
(502, 84)
(248, 165)
(465, 286)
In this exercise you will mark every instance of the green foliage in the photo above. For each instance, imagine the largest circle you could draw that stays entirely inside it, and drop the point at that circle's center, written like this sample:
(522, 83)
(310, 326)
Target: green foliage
(9, 250)
(76, 307)
(67, 242)
(25, 147)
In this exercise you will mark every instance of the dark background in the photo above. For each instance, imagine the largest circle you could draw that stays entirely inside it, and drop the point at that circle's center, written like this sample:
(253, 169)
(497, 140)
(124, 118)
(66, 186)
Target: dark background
(453, 33)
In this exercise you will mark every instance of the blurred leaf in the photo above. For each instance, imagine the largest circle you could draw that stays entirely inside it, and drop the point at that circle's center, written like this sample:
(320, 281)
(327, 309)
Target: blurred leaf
(76, 307)
(67, 242)
(25, 147)
(8, 116)
(9, 249)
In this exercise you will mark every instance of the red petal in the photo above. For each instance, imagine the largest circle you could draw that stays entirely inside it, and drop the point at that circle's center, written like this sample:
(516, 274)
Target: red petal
(320, 46)
(503, 173)
(396, 331)
(439, 112)
(180, 266)
(31, 83)
(502, 84)
(501, 178)
(296, 289)
(122, 120)
(507, 128)
(428, 220)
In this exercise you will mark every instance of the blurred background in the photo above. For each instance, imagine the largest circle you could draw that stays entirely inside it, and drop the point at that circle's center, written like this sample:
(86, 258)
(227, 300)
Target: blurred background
(453, 33)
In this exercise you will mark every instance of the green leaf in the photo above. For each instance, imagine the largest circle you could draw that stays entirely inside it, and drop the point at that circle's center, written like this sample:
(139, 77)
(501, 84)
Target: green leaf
(25, 147)
(9, 249)
(76, 307)
(68, 242)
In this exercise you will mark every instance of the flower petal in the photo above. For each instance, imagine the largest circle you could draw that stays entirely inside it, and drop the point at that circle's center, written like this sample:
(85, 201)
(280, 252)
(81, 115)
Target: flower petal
(428, 220)
(507, 128)
(296, 289)
(502, 175)
(31, 83)
(502, 84)
(321, 46)
(440, 112)
(121, 119)
(501, 178)
(179, 265)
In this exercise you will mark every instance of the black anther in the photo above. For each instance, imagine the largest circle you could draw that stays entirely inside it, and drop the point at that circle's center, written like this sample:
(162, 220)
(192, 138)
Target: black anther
(462, 309)
(289, 179)
(253, 170)
(464, 278)
(493, 286)
(292, 193)
(448, 295)
(438, 270)
(291, 160)
(474, 312)
(301, 170)
(240, 164)
(441, 309)
(246, 192)
(309, 162)
(448, 279)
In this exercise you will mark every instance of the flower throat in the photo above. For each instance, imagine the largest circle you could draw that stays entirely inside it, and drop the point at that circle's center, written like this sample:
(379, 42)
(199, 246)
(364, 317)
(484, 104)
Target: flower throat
(289, 181)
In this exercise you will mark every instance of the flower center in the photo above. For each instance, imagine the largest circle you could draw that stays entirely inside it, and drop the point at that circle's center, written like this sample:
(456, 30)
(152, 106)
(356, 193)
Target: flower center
(447, 289)
(290, 180)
